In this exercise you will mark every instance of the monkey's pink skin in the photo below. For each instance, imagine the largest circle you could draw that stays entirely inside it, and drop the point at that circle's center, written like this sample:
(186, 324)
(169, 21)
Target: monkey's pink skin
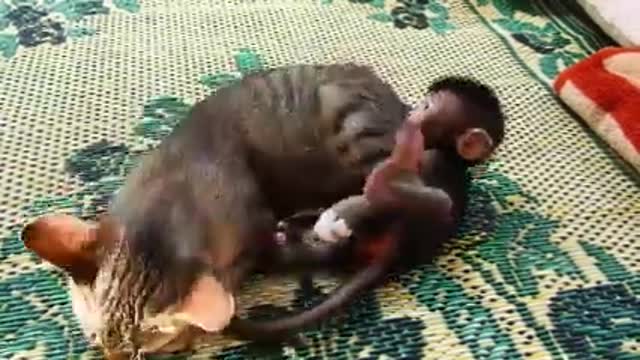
(405, 156)
(416, 117)
(409, 146)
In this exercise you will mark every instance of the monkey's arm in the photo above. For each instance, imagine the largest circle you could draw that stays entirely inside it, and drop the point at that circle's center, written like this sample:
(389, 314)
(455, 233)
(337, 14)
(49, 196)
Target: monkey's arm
(347, 217)
(416, 198)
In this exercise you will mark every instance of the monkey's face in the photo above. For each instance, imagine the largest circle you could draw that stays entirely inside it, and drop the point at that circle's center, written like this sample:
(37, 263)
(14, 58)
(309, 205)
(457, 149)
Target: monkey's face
(110, 296)
(443, 114)
(447, 123)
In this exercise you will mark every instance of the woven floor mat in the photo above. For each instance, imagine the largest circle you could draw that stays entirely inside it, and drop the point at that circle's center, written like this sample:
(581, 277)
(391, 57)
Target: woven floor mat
(546, 265)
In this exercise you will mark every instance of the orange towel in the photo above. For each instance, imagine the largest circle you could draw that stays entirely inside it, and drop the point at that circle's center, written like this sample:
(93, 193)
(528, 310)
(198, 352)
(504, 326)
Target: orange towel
(604, 89)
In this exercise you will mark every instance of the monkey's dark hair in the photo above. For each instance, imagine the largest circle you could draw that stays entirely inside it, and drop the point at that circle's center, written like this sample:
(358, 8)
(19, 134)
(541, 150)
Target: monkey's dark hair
(480, 98)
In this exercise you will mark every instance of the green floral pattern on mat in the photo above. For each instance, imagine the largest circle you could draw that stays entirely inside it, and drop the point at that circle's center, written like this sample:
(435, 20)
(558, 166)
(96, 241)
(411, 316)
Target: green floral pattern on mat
(393, 337)
(30, 23)
(246, 61)
(554, 47)
(588, 332)
(416, 14)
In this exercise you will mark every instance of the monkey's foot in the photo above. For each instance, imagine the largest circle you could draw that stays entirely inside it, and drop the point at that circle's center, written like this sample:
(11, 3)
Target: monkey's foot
(331, 228)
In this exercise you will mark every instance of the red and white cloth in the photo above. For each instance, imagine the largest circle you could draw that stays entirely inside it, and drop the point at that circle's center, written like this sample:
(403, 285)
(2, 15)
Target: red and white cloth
(604, 89)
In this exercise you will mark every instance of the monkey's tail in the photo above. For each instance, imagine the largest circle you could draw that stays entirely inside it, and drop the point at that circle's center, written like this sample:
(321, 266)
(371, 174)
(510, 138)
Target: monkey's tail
(281, 329)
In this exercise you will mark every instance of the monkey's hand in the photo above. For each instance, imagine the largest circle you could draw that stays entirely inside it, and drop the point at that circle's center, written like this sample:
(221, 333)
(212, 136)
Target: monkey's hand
(330, 227)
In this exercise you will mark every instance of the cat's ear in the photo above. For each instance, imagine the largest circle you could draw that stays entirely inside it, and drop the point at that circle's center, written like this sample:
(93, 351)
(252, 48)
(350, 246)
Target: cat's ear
(209, 306)
(65, 241)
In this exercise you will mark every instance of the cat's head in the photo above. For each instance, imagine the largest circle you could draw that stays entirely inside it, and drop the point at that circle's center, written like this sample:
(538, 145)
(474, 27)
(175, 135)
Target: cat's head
(112, 293)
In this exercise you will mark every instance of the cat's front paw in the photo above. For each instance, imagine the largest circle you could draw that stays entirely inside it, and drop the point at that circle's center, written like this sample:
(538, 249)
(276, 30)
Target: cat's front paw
(331, 228)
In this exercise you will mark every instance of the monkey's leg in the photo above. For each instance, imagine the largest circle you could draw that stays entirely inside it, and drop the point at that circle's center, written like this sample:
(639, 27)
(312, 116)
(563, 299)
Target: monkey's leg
(320, 247)
(404, 195)
(352, 214)
(415, 198)
(294, 227)
(295, 252)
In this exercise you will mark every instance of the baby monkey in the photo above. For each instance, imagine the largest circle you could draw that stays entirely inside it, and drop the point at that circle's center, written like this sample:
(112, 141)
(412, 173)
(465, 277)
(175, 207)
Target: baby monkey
(411, 202)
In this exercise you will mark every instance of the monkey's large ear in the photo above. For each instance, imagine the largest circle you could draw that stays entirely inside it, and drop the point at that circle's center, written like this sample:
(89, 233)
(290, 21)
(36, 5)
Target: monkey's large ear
(474, 144)
(65, 241)
(209, 306)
